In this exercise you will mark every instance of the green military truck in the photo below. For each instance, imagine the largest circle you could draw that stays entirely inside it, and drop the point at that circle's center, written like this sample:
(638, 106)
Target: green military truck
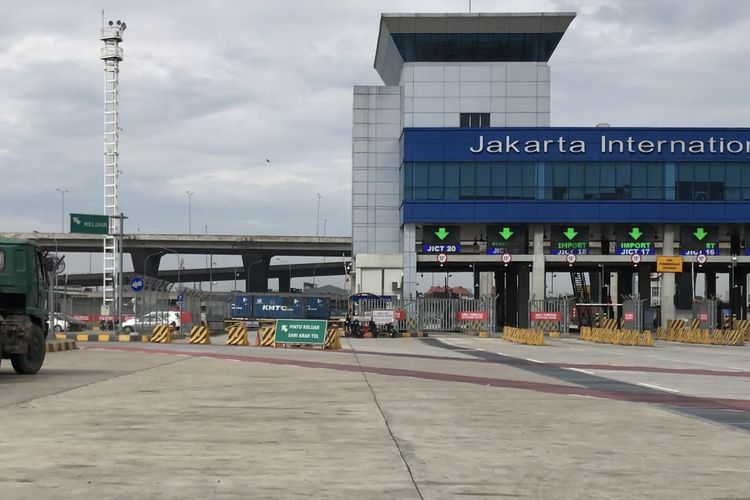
(24, 283)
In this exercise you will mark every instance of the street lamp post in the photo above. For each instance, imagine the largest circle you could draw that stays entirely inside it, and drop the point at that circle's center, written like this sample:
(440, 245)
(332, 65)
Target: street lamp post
(190, 211)
(317, 218)
(62, 212)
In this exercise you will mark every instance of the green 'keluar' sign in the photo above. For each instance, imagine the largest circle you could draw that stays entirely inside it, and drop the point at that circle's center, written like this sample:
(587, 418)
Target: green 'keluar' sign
(301, 331)
(89, 224)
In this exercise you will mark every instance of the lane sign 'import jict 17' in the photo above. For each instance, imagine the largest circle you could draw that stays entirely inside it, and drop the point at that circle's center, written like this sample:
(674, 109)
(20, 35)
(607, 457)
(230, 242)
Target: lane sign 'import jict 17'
(441, 239)
(695, 240)
(570, 240)
(636, 239)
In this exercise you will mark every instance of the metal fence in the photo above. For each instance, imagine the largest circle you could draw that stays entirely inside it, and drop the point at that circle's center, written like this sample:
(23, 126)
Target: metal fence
(432, 314)
(553, 314)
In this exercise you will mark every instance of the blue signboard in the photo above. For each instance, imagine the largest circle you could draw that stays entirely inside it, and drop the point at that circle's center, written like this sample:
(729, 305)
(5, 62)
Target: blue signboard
(180, 298)
(576, 144)
(137, 284)
(430, 248)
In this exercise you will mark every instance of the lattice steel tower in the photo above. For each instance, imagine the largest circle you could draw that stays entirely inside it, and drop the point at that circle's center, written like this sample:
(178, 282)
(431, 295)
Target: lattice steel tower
(111, 54)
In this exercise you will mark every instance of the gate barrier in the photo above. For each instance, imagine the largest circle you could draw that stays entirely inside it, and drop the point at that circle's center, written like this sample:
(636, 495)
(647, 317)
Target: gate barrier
(552, 315)
(617, 337)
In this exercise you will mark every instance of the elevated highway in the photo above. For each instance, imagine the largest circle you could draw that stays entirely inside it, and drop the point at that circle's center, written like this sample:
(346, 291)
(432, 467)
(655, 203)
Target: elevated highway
(146, 250)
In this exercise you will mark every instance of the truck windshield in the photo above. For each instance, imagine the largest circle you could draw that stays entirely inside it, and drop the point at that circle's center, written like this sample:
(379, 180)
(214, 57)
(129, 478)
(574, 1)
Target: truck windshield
(2, 260)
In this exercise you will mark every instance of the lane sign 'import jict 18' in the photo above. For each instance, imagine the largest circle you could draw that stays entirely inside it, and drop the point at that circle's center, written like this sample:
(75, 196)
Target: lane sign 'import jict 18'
(570, 240)
(636, 239)
(441, 239)
(695, 240)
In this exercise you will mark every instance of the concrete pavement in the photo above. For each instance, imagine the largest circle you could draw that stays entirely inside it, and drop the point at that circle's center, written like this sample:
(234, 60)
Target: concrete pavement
(396, 418)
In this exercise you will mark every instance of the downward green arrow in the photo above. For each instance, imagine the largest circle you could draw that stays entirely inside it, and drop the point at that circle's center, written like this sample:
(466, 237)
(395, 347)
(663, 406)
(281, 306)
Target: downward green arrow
(635, 233)
(700, 234)
(506, 233)
(570, 233)
(441, 233)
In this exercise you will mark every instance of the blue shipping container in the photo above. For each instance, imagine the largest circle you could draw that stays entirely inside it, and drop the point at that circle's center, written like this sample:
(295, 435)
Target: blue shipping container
(241, 307)
(318, 308)
(269, 306)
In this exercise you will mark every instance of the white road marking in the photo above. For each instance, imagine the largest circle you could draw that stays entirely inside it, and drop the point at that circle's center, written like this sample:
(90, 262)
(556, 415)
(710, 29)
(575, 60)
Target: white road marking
(580, 370)
(451, 343)
(737, 368)
(534, 360)
(501, 353)
(657, 387)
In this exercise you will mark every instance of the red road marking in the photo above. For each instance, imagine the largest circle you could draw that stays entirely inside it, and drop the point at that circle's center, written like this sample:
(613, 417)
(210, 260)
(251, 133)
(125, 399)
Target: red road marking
(636, 397)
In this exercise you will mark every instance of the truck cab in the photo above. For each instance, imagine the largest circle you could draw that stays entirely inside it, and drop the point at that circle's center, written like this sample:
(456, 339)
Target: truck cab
(24, 284)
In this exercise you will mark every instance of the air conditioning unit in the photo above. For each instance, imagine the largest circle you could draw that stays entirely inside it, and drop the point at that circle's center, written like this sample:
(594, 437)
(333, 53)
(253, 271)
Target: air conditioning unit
(394, 285)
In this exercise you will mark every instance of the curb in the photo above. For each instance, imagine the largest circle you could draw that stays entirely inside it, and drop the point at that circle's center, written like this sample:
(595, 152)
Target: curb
(102, 337)
(61, 345)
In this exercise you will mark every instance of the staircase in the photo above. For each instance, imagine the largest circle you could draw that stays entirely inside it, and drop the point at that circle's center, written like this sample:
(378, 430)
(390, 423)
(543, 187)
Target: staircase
(578, 280)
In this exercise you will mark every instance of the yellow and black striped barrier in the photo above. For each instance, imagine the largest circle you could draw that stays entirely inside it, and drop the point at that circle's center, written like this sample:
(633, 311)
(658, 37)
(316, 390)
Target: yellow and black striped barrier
(237, 335)
(527, 336)
(607, 324)
(617, 337)
(743, 325)
(332, 340)
(60, 345)
(266, 336)
(200, 335)
(162, 334)
(728, 337)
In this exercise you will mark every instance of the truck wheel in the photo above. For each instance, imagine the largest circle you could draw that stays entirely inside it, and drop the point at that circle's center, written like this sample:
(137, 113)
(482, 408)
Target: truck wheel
(31, 362)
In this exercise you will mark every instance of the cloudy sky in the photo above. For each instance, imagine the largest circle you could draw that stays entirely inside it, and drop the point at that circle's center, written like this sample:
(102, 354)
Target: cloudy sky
(209, 90)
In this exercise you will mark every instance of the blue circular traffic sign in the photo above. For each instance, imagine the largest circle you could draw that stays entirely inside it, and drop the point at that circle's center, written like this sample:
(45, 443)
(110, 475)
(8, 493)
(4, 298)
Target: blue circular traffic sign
(137, 284)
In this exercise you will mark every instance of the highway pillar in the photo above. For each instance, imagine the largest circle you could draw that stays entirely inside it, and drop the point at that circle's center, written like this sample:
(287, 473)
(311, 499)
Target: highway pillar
(537, 270)
(146, 261)
(285, 283)
(256, 266)
(667, 279)
(523, 296)
(595, 281)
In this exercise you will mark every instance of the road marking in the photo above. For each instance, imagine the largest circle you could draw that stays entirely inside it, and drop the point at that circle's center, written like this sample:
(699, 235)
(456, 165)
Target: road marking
(736, 368)
(657, 387)
(451, 344)
(580, 370)
(502, 354)
(534, 360)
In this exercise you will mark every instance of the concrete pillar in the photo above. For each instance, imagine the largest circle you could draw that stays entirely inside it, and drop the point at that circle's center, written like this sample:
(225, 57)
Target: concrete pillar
(685, 288)
(146, 261)
(710, 285)
(625, 283)
(486, 284)
(596, 286)
(614, 291)
(644, 283)
(476, 288)
(256, 265)
(409, 233)
(537, 285)
(511, 296)
(524, 272)
(667, 279)
(501, 296)
(285, 283)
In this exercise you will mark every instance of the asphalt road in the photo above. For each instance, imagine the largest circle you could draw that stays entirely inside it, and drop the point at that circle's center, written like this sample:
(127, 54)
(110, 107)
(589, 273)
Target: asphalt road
(385, 418)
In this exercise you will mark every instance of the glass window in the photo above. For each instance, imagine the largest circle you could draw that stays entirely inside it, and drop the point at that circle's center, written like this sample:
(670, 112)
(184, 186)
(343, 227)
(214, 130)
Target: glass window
(436, 182)
(466, 191)
(498, 180)
(484, 179)
(452, 181)
(474, 120)
(575, 173)
(2, 260)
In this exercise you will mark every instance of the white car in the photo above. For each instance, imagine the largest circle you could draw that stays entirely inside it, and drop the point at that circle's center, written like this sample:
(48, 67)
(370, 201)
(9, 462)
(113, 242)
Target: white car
(64, 323)
(152, 319)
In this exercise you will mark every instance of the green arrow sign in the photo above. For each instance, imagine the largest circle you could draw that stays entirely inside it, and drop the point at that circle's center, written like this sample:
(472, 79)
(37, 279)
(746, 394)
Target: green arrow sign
(89, 224)
(635, 233)
(441, 233)
(506, 233)
(301, 331)
(700, 234)
(570, 233)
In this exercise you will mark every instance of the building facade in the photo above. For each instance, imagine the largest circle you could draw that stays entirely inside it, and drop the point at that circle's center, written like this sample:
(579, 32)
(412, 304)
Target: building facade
(455, 155)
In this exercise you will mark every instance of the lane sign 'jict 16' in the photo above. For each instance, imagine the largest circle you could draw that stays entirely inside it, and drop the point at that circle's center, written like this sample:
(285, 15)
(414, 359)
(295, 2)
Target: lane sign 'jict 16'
(636, 239)
(695, 240)
(570, 240)
(441, 239)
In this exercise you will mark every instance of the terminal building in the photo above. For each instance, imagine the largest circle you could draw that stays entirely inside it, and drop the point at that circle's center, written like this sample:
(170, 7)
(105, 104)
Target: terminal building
(455, 167)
